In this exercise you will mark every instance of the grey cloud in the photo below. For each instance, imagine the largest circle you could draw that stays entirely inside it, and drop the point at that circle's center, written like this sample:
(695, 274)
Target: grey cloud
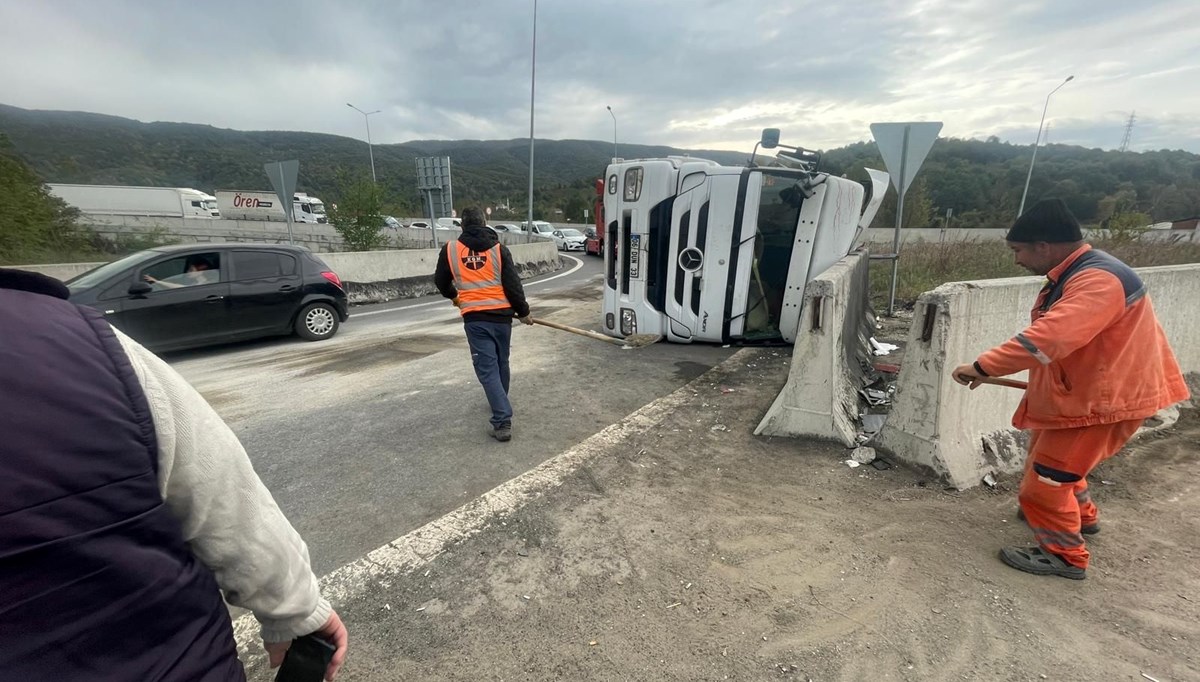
(695, 74)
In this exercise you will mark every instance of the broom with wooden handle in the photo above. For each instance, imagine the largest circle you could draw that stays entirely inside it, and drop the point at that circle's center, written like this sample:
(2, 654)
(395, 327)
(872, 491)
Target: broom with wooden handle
(631, 341)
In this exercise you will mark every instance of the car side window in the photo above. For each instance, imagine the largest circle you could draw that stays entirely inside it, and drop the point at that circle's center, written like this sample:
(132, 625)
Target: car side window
(195, 269)
(287, 264)
(257, 265)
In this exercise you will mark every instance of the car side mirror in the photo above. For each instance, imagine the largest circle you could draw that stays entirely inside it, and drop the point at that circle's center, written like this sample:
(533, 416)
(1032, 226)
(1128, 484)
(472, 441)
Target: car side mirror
(140, 289)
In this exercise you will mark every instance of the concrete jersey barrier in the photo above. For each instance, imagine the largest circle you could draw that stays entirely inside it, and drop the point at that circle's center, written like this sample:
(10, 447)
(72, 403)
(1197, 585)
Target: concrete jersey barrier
(820, 398)
(963, 435)
(376, 276)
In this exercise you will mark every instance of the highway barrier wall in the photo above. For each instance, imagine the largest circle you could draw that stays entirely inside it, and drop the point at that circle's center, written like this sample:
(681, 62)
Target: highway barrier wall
(375, 276)
(963, 435)
(884, 235)
(316, 237)
(820, 398)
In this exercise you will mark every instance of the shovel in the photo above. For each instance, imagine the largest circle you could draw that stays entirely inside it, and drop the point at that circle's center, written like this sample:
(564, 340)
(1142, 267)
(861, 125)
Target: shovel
(1011, 383)
(631, 341)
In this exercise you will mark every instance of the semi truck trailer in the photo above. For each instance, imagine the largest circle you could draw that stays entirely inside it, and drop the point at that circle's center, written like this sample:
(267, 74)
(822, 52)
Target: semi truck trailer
(255, 205)
(121, 200)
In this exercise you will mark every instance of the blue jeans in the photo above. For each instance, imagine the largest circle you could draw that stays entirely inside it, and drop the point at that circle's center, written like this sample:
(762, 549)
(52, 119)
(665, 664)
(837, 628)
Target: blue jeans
(490, 343)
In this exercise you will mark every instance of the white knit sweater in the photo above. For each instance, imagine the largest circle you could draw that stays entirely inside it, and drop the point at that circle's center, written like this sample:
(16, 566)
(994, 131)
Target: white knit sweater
(228, 516)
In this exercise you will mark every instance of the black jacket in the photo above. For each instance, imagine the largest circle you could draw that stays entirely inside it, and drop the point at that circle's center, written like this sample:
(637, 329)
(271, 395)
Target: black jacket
(481, 239)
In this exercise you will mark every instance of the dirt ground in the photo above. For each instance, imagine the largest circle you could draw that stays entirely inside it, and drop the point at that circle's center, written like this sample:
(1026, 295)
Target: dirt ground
(697, 551)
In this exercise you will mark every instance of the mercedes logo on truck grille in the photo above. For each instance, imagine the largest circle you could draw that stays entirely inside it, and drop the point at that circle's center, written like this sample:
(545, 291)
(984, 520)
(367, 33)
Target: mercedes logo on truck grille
(690, 259)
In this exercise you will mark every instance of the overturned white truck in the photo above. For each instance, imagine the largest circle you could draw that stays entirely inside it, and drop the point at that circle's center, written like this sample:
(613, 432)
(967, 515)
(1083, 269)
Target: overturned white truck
(697, 251)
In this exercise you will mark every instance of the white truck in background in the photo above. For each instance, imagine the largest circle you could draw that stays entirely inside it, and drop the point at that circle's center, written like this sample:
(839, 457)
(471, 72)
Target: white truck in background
(697, 251)
(254, 205)
(122, 200)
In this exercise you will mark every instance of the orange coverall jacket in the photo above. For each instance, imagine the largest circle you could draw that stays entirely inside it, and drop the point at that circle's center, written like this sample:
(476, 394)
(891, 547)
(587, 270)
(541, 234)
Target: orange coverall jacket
(1095, 351)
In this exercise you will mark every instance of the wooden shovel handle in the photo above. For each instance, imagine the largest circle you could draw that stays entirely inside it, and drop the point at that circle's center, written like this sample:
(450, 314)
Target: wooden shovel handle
(575, 330)
(1011, 383)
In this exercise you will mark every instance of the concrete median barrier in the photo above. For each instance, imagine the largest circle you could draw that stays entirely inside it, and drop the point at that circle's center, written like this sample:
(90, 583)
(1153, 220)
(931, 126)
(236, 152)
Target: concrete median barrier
(376, 276)
(963, 435)
(820, 398)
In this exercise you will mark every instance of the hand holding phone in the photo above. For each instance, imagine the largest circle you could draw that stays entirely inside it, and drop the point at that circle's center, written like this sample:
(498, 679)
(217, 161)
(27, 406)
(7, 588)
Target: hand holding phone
(306, 660)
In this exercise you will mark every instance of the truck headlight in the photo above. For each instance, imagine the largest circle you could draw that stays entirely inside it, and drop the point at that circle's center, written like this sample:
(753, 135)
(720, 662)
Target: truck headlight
(633, 183)
(628, 322)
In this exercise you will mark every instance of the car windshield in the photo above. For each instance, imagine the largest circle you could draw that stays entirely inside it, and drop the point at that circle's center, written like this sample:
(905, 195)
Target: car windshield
(101, 274)
(571, 233)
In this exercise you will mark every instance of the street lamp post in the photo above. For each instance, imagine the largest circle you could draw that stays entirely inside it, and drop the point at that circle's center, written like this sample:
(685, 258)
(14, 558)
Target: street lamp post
(1036, 142)
(614, 116)
(370, 149)
(532, 83)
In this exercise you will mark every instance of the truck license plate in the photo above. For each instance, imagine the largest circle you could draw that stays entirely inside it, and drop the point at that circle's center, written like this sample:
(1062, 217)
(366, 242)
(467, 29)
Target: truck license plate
(635, 251)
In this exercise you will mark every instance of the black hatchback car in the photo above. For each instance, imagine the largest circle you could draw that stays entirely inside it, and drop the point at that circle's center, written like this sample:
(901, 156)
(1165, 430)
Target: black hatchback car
(176, 297)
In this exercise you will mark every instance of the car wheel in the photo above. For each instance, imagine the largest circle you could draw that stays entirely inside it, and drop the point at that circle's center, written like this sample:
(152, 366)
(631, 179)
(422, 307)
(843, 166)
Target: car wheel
(317, 322)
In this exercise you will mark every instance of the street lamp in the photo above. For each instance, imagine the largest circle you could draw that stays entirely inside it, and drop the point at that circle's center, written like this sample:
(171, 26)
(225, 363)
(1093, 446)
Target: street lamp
(532, 83)
(1029, 175)
(370, 150)
(610, 111)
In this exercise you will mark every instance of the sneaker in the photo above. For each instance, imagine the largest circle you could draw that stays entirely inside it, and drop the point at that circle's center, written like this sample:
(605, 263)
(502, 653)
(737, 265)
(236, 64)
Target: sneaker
(502, 433)
(1089, 529)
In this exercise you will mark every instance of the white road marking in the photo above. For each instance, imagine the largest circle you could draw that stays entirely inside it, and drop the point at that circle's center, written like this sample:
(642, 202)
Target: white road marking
(413, 551)
(578, 264)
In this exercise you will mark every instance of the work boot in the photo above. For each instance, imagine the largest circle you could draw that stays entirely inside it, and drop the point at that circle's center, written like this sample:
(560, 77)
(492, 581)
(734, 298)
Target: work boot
(1040, 562)
(1090, 529)
(502, 433)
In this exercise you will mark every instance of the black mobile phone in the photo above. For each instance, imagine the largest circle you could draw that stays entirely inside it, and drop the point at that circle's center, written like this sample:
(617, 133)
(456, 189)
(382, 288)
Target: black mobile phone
(306, 660)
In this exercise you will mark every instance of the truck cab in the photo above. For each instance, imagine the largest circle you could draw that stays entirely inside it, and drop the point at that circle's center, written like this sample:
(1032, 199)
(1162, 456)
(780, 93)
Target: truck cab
(697, 251)
(197, 204)
(308, 209)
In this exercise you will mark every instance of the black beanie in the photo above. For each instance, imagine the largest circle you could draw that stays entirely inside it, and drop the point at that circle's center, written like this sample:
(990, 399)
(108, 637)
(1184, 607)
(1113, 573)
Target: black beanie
(1048, 221)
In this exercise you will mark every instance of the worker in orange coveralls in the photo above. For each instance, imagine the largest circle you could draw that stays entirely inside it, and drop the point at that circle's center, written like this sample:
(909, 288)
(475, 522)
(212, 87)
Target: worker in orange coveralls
(1099, 365)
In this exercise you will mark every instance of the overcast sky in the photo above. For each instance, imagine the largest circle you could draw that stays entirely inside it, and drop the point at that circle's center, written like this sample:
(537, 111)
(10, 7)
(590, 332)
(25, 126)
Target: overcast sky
(686, 73)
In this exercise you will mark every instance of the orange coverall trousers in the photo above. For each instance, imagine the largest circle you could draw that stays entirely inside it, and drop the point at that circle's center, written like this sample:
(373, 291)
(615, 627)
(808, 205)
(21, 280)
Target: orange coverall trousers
(1054, 492)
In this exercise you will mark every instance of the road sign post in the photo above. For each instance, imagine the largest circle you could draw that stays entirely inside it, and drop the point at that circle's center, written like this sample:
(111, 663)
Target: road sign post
(282, 175)
(903, 147)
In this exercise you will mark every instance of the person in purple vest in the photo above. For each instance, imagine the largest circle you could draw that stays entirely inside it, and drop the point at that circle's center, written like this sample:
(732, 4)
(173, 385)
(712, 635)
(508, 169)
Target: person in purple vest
(127, 506)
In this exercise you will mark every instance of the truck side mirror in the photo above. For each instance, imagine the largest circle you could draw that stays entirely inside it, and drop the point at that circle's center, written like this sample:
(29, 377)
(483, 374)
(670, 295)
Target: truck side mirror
(770, 138)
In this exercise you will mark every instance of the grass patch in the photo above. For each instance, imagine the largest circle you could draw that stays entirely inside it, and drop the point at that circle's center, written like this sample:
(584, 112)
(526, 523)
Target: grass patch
(84, 245)
(925, 265)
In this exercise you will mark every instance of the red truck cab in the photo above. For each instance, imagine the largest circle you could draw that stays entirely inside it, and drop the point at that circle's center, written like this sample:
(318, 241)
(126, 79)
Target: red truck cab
(595, 241)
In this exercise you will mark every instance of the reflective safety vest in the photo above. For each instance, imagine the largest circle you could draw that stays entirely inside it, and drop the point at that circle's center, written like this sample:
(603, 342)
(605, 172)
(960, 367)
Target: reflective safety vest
(477, 278)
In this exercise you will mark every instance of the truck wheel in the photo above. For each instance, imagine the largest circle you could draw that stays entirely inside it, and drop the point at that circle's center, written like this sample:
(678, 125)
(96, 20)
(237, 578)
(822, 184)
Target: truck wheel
(317, 322)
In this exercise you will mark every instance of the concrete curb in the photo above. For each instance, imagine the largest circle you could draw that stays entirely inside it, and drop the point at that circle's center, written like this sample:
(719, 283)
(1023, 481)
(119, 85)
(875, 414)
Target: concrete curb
(416, 549)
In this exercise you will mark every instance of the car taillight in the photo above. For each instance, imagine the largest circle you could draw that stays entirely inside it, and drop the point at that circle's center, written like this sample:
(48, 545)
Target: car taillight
(333, 278)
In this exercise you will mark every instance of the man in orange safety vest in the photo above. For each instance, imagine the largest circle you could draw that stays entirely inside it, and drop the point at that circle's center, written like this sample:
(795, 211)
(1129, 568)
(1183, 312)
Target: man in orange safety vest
(478, 274)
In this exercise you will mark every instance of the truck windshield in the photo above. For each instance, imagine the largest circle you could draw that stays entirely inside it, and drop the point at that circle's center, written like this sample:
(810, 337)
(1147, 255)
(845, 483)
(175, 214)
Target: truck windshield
(778, 211)
(209, 205)
(318, 208)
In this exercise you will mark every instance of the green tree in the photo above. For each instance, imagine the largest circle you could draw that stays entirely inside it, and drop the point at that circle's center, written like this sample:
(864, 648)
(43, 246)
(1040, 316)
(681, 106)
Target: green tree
(33, 223)
(1127, 227)
(357, 214)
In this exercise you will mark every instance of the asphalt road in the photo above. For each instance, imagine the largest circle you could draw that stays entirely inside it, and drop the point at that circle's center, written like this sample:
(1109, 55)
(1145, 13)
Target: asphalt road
(383, 428)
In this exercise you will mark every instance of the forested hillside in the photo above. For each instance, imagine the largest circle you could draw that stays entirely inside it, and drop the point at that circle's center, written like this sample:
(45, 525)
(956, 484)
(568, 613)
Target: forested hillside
(980, 181)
